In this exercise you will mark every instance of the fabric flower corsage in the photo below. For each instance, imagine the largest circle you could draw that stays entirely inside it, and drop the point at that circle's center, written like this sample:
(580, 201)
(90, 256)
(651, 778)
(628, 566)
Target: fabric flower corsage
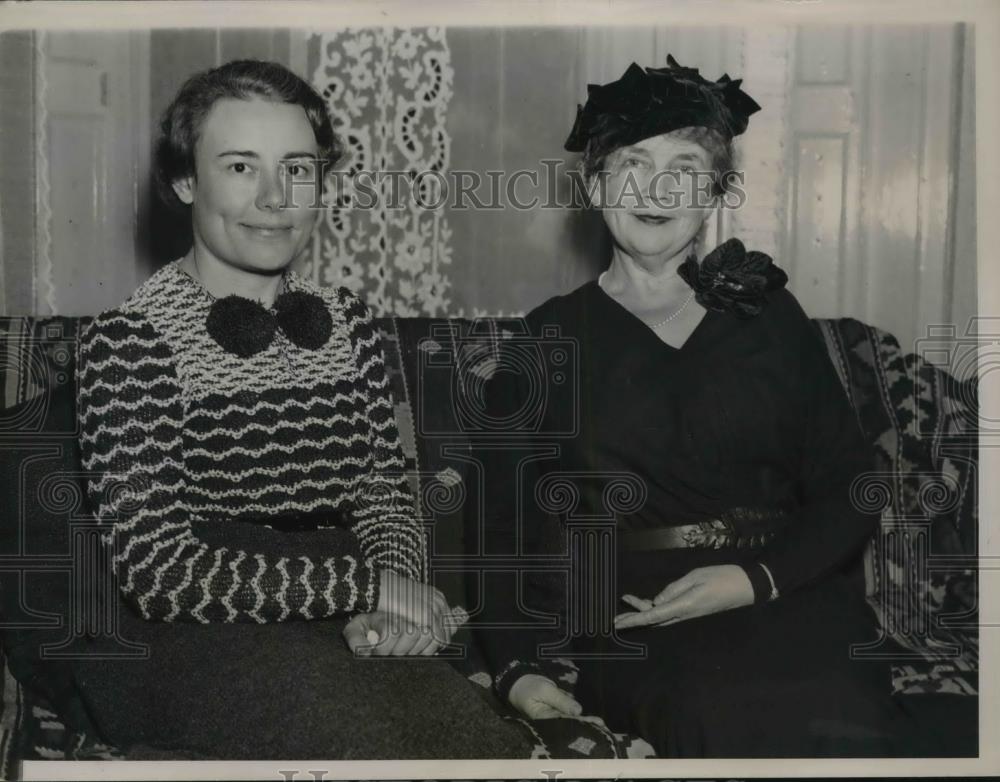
(730, 279)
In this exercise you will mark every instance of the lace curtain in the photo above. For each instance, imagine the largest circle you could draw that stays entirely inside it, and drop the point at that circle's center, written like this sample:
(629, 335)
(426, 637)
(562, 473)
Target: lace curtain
(388, 91)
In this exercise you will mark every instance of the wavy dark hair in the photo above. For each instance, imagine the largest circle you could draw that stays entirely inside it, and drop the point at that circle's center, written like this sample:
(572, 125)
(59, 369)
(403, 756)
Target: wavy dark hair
(181, 123)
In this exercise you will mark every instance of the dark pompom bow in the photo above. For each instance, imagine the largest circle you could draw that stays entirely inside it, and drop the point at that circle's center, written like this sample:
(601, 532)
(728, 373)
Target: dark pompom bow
(245, 327)
(304, 318)
(730, 279)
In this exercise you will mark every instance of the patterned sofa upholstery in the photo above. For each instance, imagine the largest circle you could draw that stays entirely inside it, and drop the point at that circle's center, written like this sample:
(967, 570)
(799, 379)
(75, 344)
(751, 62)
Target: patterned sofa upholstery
(919, 570)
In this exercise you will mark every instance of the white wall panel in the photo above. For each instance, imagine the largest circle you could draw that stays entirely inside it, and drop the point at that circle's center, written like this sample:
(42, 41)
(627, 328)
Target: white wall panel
(874, 114)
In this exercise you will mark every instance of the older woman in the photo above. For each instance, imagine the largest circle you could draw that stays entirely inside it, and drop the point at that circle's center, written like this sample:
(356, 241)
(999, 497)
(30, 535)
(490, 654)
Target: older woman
(703, 380)
(237, 425)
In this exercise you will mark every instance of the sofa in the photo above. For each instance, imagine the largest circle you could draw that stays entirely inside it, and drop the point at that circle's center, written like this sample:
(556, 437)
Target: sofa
(918, 570)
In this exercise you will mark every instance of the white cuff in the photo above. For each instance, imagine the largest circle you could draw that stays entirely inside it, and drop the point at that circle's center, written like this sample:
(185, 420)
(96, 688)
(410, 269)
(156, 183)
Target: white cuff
(774, 588)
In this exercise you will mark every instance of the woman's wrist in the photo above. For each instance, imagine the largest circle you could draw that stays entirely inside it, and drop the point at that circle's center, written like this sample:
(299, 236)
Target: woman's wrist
(504, 681)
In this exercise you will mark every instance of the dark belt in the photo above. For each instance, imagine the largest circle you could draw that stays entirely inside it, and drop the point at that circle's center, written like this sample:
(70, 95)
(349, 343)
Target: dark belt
(739, 530)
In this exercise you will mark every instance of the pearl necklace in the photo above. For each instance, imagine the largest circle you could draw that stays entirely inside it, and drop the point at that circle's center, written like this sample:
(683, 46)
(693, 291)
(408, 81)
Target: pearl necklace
(666, 320)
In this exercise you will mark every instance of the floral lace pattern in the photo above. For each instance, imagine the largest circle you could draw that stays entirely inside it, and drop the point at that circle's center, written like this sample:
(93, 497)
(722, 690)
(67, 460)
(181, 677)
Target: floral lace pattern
(388, 91)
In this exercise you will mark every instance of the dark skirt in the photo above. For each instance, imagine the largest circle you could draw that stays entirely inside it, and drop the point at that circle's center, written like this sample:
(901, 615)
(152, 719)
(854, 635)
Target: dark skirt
(773, 680)
(282, 691)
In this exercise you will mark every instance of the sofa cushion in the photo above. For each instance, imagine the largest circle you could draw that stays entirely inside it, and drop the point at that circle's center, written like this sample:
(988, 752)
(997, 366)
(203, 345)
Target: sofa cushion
(423, 413)
(919, 581)
(30, 729)
(46, 601)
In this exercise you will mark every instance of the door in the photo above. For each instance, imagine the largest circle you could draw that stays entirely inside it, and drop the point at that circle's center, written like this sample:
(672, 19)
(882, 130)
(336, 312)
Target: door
(92, 154)
(872, 156)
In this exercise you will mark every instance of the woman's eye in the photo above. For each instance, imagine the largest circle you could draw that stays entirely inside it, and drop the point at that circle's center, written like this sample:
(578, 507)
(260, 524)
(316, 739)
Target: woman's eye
(681, 173)
(239, 168)
(299, 169)
(634, 164)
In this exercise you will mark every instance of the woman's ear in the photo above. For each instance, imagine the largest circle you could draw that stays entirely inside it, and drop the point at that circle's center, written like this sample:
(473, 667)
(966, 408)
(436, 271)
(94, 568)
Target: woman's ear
(184, 188)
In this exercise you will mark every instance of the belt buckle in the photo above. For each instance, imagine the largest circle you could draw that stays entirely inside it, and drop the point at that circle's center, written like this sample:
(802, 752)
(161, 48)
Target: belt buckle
(720, 533)
(714, 533)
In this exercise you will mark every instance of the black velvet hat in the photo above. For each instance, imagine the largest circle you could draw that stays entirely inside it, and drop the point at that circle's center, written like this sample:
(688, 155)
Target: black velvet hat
(646, 102)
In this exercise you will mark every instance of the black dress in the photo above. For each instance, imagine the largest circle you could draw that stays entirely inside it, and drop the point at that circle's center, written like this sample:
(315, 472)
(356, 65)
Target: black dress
(747, 417)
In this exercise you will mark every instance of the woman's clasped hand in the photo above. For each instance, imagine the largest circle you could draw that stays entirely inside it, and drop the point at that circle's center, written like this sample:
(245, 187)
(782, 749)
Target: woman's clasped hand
(703, 591)
(412, 618)
(539, 698)
(387, 635)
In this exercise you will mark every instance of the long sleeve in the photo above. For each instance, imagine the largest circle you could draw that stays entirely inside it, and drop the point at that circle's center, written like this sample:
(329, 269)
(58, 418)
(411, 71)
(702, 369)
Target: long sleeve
(383, 514)
(130, 402)
(828, 527)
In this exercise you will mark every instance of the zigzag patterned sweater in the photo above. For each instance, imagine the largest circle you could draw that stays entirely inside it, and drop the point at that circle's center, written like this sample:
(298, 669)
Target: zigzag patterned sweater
(188, 447)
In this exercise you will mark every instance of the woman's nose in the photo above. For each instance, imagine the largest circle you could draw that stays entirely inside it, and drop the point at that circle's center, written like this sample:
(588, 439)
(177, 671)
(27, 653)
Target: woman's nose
(634, 192)
(271, 192)
(664, 182)
(669, 190)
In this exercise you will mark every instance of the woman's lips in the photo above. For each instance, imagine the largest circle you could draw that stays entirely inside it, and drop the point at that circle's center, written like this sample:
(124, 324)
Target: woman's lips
(652, 219)
(268, 232)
